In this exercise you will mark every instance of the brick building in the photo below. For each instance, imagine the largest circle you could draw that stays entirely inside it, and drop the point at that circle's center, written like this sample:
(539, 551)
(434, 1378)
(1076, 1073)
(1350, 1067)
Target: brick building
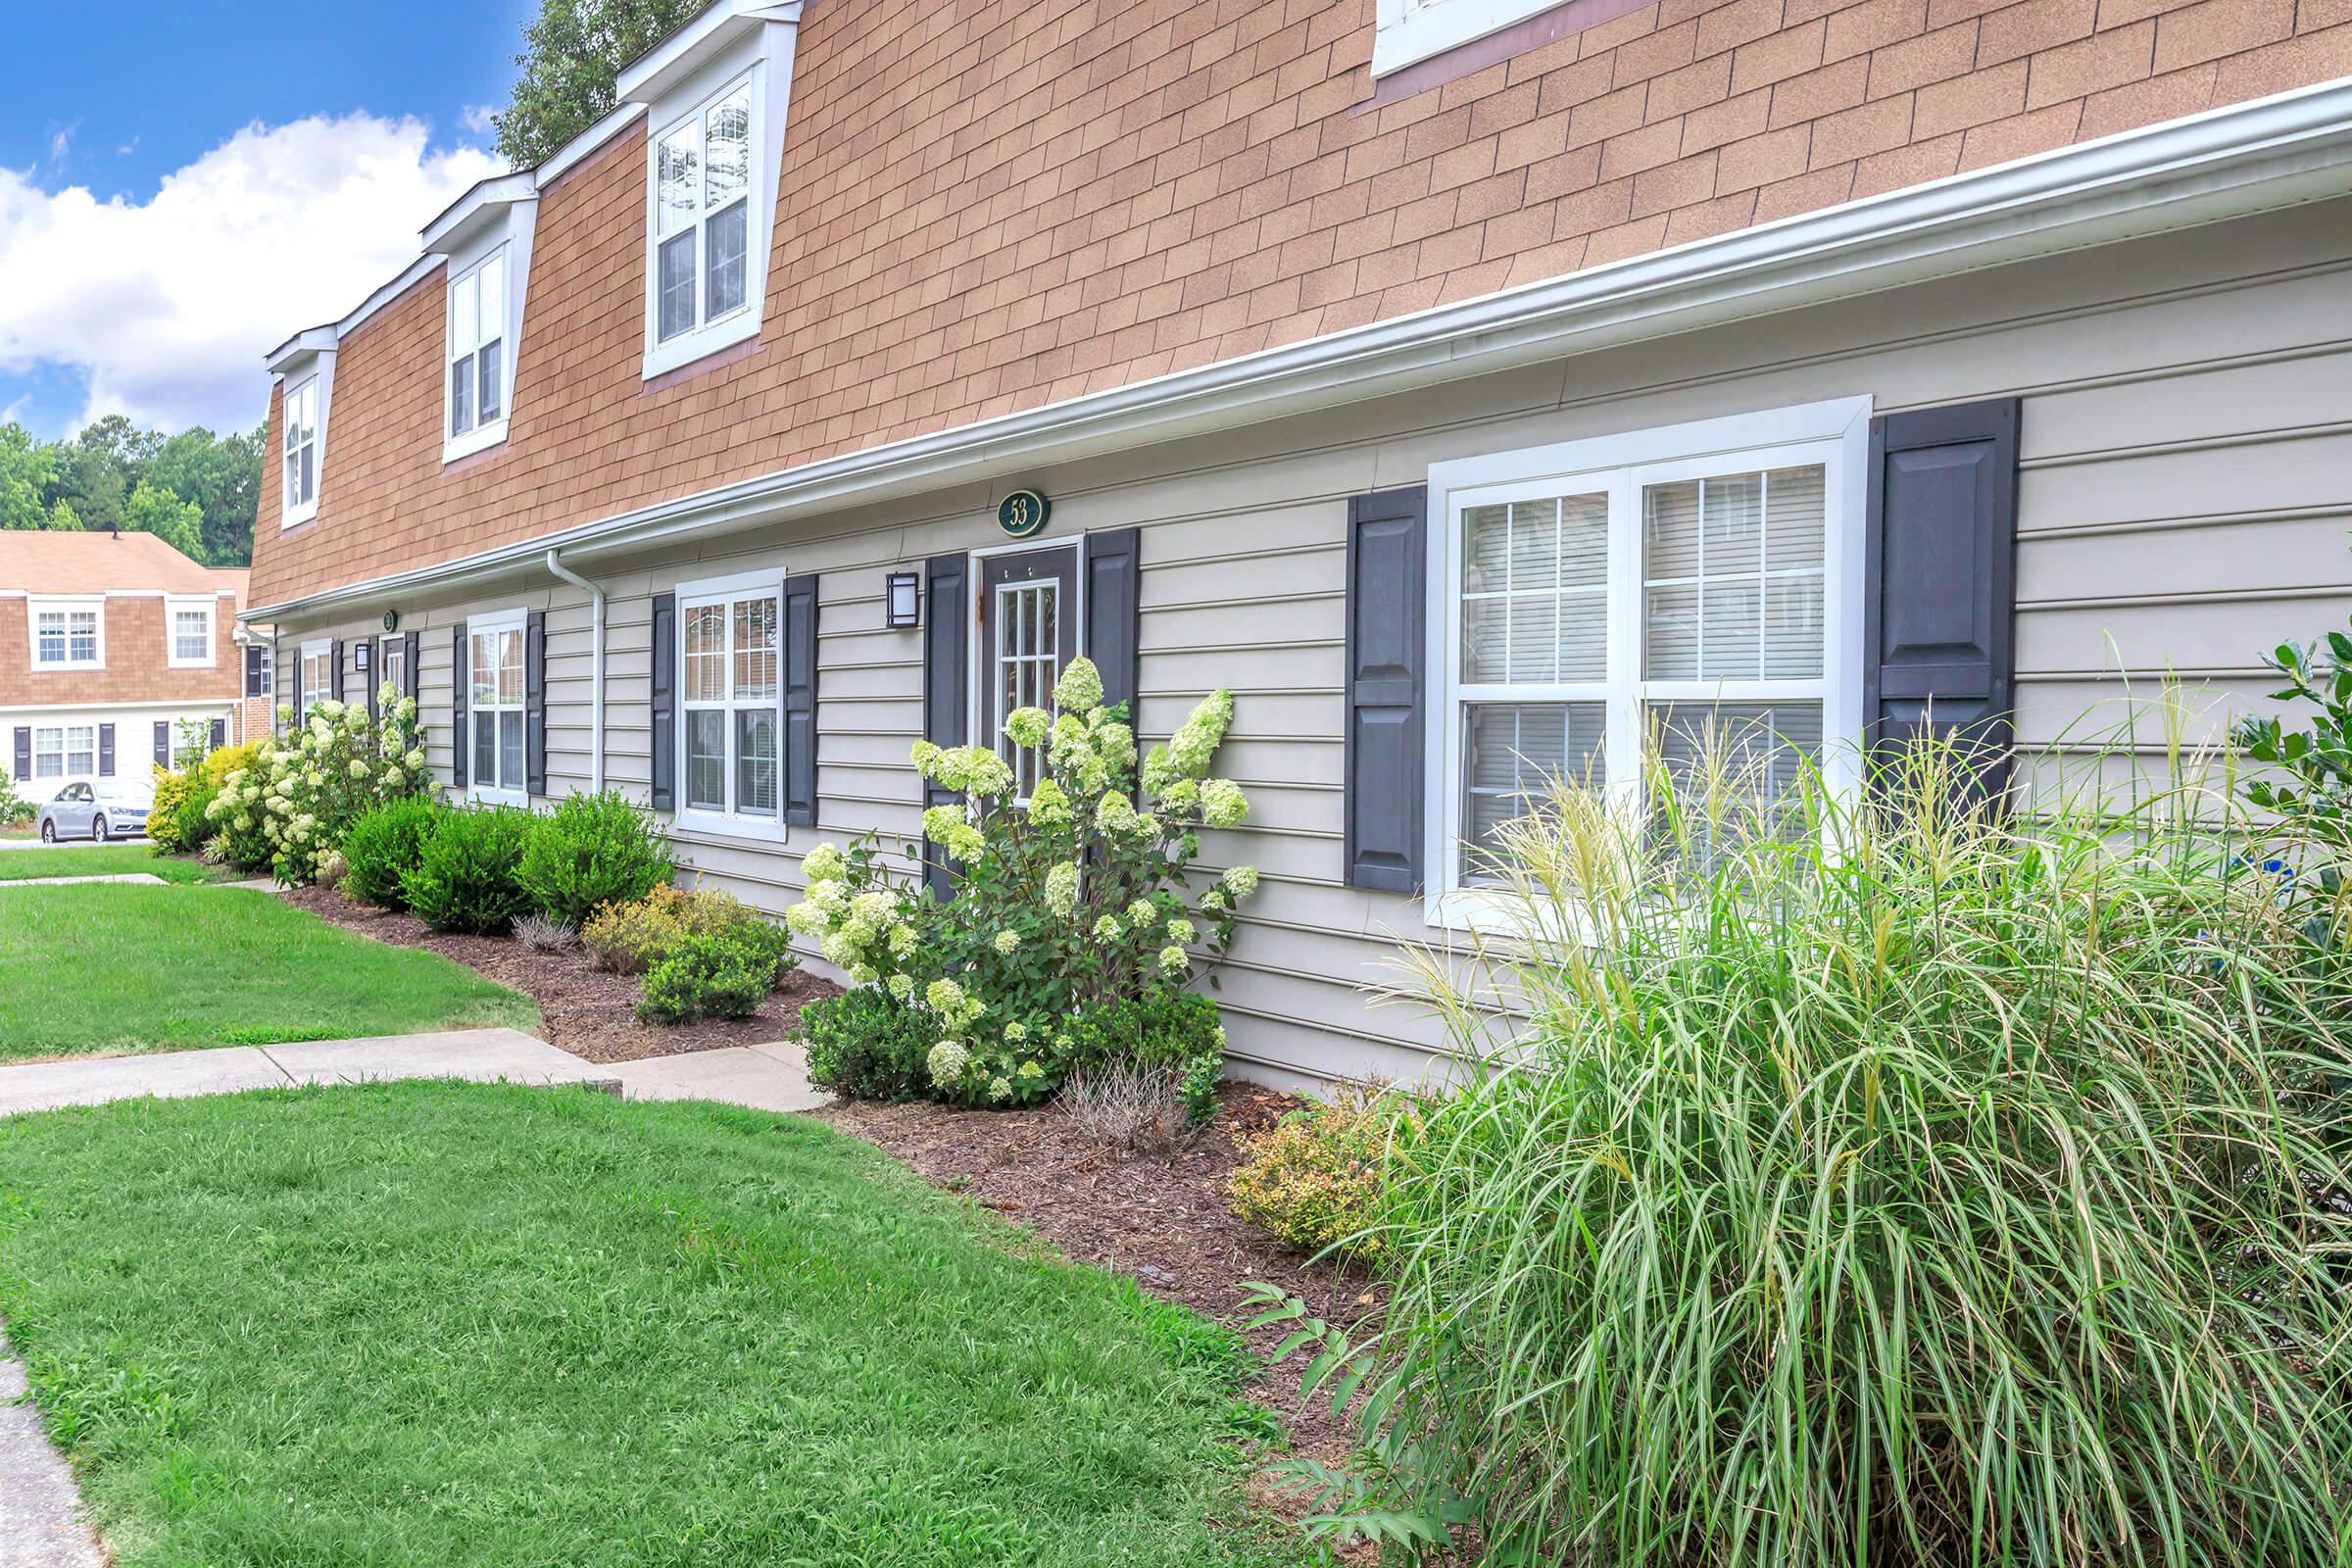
(109, 644)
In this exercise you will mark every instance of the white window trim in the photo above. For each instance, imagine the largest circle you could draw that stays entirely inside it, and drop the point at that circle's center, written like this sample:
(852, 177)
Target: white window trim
(1835, 434)
(486, 433)
(173, 608)
(36, 607)
(978, 670)
(763, 56)
(381, 673)
(518, 620)
(318, 648)
(65, 753)
(289, 515)
(750, 827)
(1406, 32)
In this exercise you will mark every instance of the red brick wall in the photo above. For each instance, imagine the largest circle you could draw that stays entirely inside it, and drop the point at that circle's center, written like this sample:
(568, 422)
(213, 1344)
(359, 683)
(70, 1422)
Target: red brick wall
(986, 207)
(137, 668)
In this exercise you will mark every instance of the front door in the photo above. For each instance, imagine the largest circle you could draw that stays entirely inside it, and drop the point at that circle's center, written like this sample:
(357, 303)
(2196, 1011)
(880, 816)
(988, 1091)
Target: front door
(1028, 631)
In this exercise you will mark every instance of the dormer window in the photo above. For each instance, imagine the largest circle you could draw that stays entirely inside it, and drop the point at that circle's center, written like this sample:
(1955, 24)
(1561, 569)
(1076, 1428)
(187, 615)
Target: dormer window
(478, 349)
(302, 453)
(701, 236)
(715, 95)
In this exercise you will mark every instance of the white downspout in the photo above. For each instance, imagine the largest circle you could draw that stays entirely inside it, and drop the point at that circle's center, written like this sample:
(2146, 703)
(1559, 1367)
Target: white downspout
(596, 683)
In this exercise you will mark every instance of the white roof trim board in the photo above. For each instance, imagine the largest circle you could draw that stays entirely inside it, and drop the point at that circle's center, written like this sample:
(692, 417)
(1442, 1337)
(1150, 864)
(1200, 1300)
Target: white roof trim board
(2274, 152)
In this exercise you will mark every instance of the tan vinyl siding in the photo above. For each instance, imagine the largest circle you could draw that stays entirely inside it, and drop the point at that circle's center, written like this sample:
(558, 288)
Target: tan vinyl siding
(2186, 491)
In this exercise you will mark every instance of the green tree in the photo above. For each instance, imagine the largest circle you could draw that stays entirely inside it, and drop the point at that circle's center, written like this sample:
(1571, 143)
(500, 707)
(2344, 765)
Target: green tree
(62, 519)
(27, 468)
(573, 54)
(154, 510)
(222, 476)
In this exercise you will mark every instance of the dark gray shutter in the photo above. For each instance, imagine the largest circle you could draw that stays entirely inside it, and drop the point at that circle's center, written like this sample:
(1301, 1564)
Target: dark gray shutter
(372, 683)
(534, 703)
(665, 738)
(106, 751)
(296, 684)
(163, 742)
(1388, 647)
(336, 682)
(461, 750)
(946, 650)
(24, 751)
(220, 733)
(1112, 583)
(1940, 583)
(255, 654)
(408, 666)
(799, 735)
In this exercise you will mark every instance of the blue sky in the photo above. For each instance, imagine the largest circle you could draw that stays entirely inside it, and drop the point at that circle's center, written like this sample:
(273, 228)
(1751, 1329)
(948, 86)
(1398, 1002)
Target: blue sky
(371, 108)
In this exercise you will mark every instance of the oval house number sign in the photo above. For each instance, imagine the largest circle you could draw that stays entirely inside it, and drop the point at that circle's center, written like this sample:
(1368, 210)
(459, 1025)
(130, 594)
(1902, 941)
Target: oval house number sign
(1022, 512)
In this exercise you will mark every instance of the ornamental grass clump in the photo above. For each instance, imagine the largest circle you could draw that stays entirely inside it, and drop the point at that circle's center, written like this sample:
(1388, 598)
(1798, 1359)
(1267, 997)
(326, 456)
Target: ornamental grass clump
(1076, 898)
(1874, 1183)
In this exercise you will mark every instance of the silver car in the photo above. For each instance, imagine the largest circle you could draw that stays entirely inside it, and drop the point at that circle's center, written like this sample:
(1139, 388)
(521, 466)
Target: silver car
(80, 811)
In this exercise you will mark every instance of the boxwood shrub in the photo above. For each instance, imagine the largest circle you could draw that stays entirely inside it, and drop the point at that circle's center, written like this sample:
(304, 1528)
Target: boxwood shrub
(592, 851)
(865, 1045)
(467, 874)
(384, 846)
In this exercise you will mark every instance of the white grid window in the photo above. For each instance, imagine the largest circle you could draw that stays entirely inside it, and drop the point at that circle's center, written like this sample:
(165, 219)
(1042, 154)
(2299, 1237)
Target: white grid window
(1026, 659)
(477, 346)
(730, 682)
(317, 676)
(701, 206)
(191, 635)
(302, 447)
(494, 706)
(66, 637)
(1687, 594)
(65, 752)
(395, 660)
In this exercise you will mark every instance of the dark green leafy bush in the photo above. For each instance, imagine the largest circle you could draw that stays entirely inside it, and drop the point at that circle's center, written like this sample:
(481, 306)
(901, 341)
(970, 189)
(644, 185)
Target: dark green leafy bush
(383, 846)
(866, 1046)
(724, 976)
(465, 877)
(592, 851)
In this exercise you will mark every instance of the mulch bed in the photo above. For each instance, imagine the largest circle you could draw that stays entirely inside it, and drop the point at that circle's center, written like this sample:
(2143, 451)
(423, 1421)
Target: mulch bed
(586, 1011)
(1163, 1221)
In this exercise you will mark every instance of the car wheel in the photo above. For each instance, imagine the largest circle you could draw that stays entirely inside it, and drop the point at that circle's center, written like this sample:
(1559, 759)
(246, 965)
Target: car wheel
(48, 830)
(98, 829)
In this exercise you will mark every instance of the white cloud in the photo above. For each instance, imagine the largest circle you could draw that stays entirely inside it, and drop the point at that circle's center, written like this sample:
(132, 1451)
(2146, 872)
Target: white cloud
(166, 306)
(480, 119)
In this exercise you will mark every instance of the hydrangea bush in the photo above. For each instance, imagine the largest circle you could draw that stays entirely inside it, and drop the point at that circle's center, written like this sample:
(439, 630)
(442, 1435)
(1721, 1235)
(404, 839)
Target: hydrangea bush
(1077, 898)
(303, 789)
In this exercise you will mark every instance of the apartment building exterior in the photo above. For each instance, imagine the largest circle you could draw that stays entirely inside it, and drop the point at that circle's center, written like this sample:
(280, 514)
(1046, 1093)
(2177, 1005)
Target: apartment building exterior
(114, 650)
(1466, 384)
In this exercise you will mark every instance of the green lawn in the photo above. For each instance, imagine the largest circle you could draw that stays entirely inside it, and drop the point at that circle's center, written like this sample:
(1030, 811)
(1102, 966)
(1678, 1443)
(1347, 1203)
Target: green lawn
(111, 966)
(445, 1326)
(108, 859)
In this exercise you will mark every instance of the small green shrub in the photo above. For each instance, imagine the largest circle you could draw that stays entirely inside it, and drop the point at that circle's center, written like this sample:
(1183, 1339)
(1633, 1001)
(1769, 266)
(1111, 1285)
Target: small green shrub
(465, 874)
(223, 761)
(1314, 1180)
(866, 1046)
(383, 846)
(592, 851)
(1175, 1030)
(15, 809)
(631, 938)
(726, 975)
(171, 792)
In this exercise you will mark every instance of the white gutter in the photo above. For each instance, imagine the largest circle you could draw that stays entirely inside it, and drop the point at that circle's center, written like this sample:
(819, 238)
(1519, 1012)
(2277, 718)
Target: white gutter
(596, 668)
(2274, 152)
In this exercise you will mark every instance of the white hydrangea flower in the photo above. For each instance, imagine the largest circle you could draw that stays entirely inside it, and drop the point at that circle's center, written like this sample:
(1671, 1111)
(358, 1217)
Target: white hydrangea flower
(1080, 687)
(946, 1062)
(1028, 726)
(902, 987)
(1240, 880)
(1016, 1031)
(902, 941)
(1180, 930)
(1008, 942)
(824, 864)
(1061, 888)
(999, 1089)
(1222, 803)
(1173, 960)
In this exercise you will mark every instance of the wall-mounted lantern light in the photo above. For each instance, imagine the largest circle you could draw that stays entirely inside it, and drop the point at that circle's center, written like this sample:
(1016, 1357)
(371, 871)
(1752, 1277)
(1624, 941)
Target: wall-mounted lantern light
(903, 599)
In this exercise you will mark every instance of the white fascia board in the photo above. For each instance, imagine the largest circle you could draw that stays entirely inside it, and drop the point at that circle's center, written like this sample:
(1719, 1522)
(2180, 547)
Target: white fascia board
(2274, 152)
(479, 212)
(303, 344)
(669, 64)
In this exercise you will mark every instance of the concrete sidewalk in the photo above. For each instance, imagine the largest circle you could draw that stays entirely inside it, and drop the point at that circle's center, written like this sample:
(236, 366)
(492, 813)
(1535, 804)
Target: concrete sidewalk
(472, 1056)
(765, 1077)
(143, 878)
(40, 1510)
